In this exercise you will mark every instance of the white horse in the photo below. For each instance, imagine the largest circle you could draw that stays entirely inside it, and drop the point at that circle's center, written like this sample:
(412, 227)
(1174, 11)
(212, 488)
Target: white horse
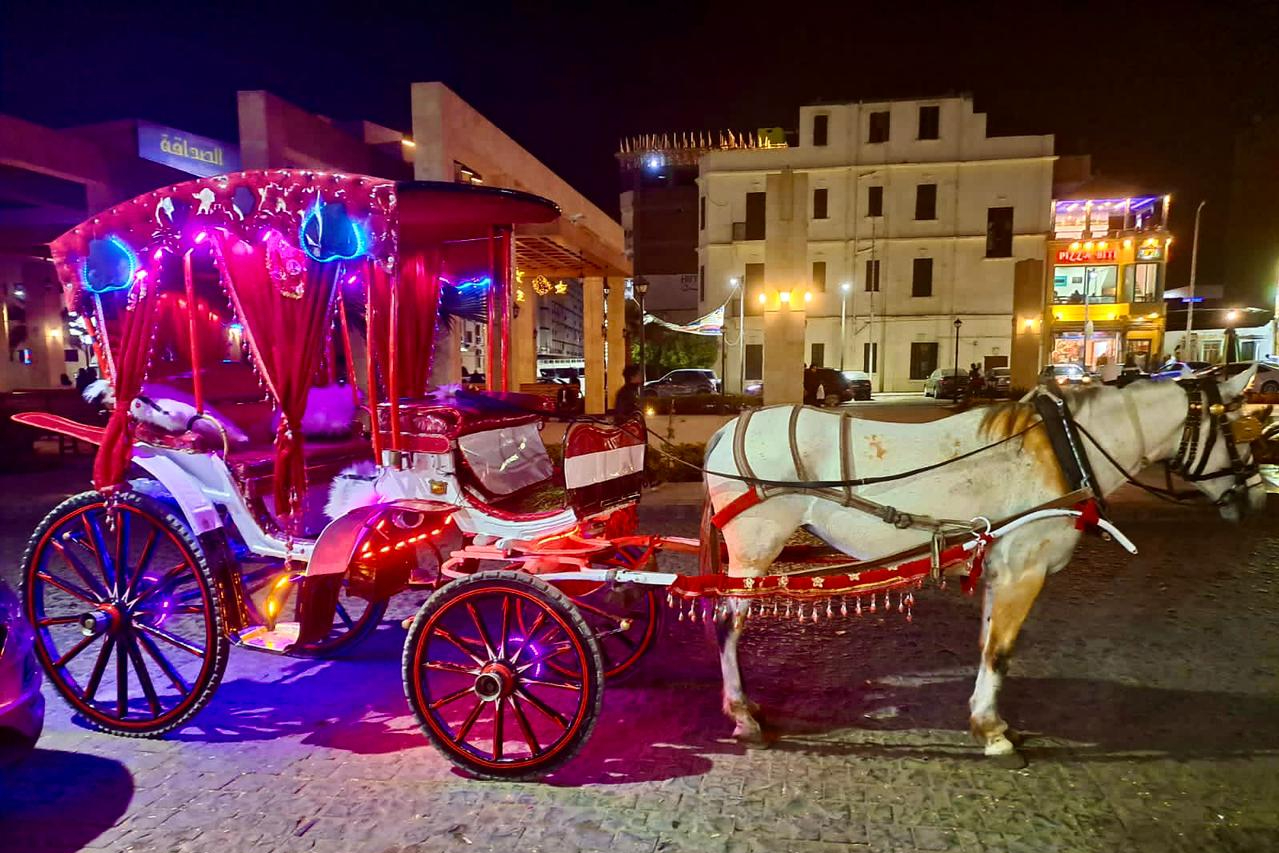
(1138, 425)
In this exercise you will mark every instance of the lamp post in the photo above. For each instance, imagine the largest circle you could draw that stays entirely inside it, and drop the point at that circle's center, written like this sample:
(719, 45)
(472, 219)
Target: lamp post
(1232, 342)
(1191, 348)
(958, 324)
(641, 288)
(741, 333)
(843, 320)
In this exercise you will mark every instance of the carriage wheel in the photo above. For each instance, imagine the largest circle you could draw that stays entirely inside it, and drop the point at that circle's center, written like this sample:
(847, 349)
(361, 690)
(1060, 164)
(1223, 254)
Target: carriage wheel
(504, 675)
(128, 627)
(623, 618)
(355, 621)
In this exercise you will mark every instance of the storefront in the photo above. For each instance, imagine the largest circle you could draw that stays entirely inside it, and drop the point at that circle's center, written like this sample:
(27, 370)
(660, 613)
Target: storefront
(1104, 281)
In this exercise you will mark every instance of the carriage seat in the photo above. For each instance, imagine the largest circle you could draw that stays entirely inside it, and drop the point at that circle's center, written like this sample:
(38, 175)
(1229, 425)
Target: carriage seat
(254, 467)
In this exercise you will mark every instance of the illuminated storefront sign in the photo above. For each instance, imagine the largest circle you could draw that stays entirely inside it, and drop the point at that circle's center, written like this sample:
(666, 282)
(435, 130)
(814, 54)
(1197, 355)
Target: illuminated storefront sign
(1150, 252)
(1085, 256)
(186, 152)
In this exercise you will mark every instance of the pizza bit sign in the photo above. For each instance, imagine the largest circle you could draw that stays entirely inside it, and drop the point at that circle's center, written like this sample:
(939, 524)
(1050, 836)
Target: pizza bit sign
(1083, 253)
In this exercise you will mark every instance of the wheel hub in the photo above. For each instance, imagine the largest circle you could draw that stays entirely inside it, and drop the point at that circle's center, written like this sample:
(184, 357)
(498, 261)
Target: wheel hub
(106, 618)
(495, 681)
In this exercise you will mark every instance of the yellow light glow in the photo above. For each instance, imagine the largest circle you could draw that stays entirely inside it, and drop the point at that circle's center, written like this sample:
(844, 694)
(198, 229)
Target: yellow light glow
(762, 299)
(408, 143)
(1102, 245)
(1153, 315)
(1029, 324)
(1088, 246)
(808, 296)
(1128, 244)
(649, 411)
(1074, 247)
(784, 295)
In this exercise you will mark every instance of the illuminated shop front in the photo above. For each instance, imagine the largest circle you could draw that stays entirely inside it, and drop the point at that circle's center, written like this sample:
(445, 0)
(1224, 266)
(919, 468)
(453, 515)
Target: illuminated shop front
(1104, 281)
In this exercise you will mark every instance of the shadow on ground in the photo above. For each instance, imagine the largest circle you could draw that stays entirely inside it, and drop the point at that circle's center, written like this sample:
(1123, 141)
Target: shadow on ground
(61, 801)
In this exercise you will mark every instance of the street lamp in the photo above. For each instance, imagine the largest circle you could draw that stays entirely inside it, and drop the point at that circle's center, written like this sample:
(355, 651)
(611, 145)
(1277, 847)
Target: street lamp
(1232, 343)
(1191, 348)
(958, 324)
(641, 287)
(843, 321)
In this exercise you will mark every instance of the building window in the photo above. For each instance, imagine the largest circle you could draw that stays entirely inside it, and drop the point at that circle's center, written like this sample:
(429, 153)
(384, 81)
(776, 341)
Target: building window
(1076, 285)
(819, 276)
(929, 122)
(754, 284)
(821, 123)
(926, 201)
(820, 197)
(701, 283)
(878, 130)
(874, 201)
(999, 232)
(921, 281)
(701, 213)
(870, 357)
(754, 362)
(818, 357)
(872, 276)
(1146, 284)
(755, 216)
(923, 359)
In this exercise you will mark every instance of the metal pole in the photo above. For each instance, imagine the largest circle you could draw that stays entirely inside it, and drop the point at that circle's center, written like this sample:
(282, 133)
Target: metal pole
(741, 335)
(843, 344)
(1192, 350)
(958, 323)
(642, 354)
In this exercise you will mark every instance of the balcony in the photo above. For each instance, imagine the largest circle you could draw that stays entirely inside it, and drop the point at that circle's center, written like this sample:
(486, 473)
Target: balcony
(1101, 218)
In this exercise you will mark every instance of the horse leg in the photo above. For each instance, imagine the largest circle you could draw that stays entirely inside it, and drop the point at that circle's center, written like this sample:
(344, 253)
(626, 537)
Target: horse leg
(740, 709)
(1006, 605)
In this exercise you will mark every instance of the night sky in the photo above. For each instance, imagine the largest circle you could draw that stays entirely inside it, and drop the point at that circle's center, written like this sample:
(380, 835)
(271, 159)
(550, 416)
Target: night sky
(1155, 93)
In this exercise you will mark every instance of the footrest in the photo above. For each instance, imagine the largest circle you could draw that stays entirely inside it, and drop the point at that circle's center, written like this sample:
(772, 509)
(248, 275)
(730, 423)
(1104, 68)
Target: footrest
(279, 641)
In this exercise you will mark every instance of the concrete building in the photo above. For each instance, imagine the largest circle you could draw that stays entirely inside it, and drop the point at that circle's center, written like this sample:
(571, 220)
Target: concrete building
(867, 241)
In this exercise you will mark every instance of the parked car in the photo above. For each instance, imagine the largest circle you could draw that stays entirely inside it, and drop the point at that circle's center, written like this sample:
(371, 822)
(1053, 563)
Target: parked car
(1178, 369)
(858, 383)
(1064, 374)
(999, 382)
(680, 383)
(21, 705)
(946, 383)
(1265, 382)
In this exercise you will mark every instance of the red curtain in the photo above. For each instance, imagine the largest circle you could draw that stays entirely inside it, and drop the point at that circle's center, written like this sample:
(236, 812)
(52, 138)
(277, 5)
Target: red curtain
(415, 319)
(285, 301)
(131, 354)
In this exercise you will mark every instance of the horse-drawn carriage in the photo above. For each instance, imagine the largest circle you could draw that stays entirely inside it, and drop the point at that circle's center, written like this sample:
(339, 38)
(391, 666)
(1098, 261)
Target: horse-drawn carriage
(277, 464)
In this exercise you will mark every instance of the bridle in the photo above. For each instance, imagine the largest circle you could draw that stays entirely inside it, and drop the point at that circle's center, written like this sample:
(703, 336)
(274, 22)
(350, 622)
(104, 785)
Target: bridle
(1206, 408)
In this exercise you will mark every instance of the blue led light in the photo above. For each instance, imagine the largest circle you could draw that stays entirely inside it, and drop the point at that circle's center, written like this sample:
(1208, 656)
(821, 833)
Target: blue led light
(476, 284)
(111, 266)
(327, 233)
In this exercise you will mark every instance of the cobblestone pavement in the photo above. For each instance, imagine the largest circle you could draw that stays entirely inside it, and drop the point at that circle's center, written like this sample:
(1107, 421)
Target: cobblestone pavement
(1149, 686)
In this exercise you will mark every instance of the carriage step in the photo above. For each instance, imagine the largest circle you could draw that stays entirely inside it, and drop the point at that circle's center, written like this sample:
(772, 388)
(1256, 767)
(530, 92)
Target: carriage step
(279, 641)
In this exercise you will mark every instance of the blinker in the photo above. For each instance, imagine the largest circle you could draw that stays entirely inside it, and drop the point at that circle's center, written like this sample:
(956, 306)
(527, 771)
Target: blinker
(1246, 430)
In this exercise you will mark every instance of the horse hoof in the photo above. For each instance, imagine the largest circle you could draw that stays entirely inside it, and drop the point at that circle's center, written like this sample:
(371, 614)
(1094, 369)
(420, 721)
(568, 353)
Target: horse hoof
(751, 740)
(1008, 760)
(1015, 736)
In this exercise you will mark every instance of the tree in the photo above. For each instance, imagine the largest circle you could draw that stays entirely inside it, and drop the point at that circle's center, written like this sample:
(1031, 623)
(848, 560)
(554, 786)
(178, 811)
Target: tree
(668, 350)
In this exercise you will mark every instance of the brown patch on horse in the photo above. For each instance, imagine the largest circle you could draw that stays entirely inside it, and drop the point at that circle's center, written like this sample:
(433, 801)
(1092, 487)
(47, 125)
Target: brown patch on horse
(1012, 604)
(1004, 420)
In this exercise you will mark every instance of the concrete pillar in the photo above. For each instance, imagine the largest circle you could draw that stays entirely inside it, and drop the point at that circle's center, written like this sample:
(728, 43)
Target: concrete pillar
(786, 281)
(524, 339)
(1029, 331)
(593, 344)
(432, 158)
(616, 330)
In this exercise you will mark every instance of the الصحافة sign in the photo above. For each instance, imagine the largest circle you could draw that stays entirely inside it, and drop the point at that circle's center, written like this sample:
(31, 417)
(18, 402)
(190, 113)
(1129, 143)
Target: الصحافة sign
(186, 152)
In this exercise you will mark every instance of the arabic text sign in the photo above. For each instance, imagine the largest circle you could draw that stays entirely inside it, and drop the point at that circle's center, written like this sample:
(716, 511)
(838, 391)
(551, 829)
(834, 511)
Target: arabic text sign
(186, 152)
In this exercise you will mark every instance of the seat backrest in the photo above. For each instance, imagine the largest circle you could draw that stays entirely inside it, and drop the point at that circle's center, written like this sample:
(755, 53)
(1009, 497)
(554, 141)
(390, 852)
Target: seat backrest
(604, 464)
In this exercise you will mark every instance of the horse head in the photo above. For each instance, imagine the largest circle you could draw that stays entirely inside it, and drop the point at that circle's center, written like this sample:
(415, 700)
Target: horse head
(1214, 453)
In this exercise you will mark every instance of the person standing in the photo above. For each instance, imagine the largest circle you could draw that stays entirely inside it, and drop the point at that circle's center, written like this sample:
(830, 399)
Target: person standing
(627, 401)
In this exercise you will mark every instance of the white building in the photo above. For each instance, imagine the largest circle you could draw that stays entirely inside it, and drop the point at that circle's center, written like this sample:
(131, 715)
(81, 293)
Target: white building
(915, 219)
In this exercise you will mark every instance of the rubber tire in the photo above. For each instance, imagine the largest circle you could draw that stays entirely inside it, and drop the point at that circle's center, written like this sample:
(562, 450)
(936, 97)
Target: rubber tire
(506, 577)
(221, 646)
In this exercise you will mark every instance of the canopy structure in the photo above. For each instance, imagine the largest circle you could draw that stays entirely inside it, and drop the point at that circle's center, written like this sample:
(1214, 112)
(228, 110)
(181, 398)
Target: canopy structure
(260, 258)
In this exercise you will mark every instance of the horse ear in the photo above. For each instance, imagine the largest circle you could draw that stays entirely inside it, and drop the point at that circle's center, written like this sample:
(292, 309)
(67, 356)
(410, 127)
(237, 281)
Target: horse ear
(1233, 387)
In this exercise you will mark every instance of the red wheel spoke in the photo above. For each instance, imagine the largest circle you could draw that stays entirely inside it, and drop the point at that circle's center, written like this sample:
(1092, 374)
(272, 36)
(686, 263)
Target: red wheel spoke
(452, 697)
(448, 666)
(74, 651)
(529, 737)
(121, 551)
(171, 639)
(58, 620)
(457, 641)
(469, 723)
(78, 566)
(497, 729)
(144, 678)
(69, 588)
(603, 614)
(161, 583)
(479, 626)
(549, 712)
(121, 679)
(144, 560)
(528, 635)
(538, 682)
(104, 656)
(99, 548)
(506, 627)
(165, 664)
(344, 616)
